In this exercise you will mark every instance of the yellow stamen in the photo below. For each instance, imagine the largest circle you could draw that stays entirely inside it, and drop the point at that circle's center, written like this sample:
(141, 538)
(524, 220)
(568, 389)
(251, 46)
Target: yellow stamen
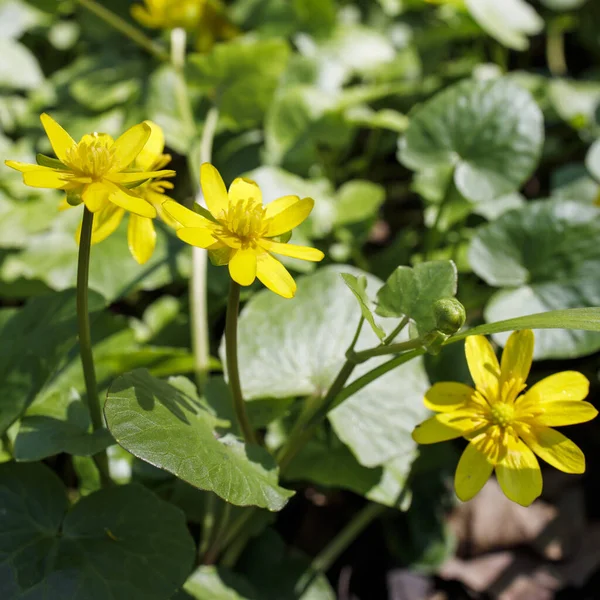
(502, 413)
(245, 220)
(92, 157)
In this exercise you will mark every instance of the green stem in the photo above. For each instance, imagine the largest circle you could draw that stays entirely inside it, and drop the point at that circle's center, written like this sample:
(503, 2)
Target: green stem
(377, 372)
(85, 339)
(215, 548)
(208, 523)
(133, 33)
(361, 520)
(555, 49)
(231, 320)
(433, 235)
(364, 355)
(392, 336)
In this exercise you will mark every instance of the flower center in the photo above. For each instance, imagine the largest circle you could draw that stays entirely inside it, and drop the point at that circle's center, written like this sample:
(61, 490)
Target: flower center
(502, 413)
(92, 157)
(245, 220)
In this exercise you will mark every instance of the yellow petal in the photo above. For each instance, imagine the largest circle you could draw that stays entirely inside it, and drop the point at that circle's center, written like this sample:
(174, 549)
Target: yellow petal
(129, 145)
(483, 365)
(568, 385)
(517, 356)
(45, 177)
(61, 141)
(433, 430)
(157, 200)
(275, 276)
(153, 149)
(200, 237)
(141, 238)
(24, 167)
(244, 189)
(555, 449)
(519, 473)
(183, 215)
(473, 470)
(560, 413)
(142, 16)
(213, 189)
(132, 204)
(447, 396)
(302, 252)
(134, 177)
(105, 222)
(242, 267)
(286, 213)
(95, 196)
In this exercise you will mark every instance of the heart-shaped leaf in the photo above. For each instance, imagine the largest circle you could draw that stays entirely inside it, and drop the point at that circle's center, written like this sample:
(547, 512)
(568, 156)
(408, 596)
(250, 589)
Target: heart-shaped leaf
(542, 255)
(32, 345)
(490, 132)
(122, 543)
(412, 292)
(318, 326)
(166, 425)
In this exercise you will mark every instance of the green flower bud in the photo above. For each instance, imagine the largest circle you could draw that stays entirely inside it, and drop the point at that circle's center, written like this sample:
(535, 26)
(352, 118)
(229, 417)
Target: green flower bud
(449, 315)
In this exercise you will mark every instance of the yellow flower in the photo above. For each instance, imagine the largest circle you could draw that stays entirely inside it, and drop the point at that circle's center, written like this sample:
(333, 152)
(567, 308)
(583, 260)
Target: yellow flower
(505, 427)
(95, 170)
(242, 230)
(141, 235)
(205, 18)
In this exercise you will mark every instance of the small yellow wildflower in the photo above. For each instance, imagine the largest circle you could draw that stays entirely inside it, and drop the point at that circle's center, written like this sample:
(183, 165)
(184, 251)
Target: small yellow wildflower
(243, 230)
(141, 235)
(205, 18)
(503, 426)
(95, 170)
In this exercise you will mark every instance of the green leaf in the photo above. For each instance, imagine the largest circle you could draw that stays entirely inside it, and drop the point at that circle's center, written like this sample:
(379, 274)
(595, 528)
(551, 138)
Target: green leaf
(509, 23)
(164, 108)
(285, 566)
(583, 319)
(212, 583)
(576, 101)
(358, 201)
(121, 543)
(592, 160)
(326, 461)
(19, 69)
(51, 257)
(242, 75)
(491, 132)
(19, 219)
(358, 286)
(33, 343)
(17, 17)
(563, 4)
(59, 423)
(542, 255)
(103, 88)
(412, 292)
(318, 326)
(166, 425)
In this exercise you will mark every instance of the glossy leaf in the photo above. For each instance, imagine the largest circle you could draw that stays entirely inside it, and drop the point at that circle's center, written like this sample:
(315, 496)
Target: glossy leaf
(60, 423)
(412, 292)
(490, 132)
(542, 255)
(166, 425)
(33, 343)
(376, 422)
(122, 543)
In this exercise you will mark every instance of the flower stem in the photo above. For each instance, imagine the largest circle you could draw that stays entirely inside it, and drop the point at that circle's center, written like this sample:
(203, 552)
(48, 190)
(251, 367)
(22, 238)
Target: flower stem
(85, 339)
(198, 289)
(233, 372)
(364, 355)
(361, 520)
(392, 336)
(555, 48)
(133, 33)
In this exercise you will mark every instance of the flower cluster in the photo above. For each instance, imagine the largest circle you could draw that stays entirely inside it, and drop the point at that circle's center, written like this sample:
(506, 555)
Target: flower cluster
(206, 19)
(505, 427)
